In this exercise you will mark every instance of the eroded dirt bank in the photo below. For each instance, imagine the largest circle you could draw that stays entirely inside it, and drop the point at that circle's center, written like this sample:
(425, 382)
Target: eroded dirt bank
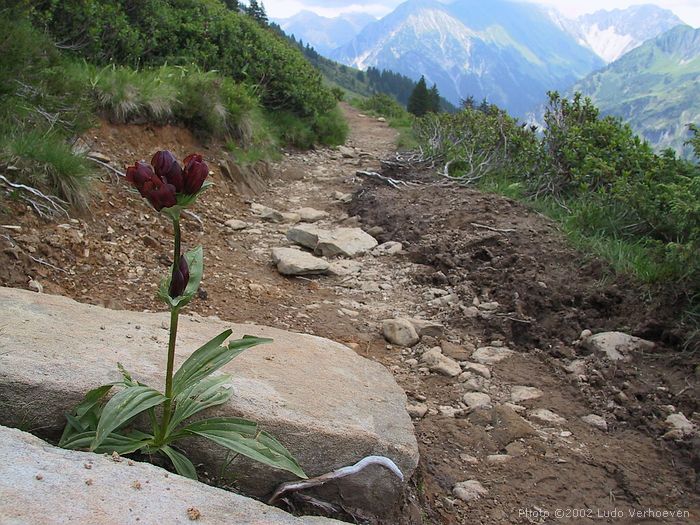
(490, 271)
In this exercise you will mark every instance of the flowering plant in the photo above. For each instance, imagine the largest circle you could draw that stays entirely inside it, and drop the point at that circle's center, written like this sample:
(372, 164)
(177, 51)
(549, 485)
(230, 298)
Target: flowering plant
(103, 425)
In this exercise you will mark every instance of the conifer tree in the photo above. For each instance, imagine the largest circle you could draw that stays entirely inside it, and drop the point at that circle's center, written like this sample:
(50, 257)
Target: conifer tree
(233, 5)
(434, 99)
(257, 11)
(418, 102)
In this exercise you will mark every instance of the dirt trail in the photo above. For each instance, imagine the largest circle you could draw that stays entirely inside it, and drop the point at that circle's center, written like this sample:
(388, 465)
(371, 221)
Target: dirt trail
(493, 273)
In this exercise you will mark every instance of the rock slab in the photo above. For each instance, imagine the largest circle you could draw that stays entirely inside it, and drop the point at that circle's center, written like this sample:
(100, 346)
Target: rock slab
(48, 485)
(296, 262)
(325, 403)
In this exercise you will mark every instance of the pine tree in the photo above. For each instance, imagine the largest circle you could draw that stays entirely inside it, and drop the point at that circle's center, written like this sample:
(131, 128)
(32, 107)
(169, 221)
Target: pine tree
(257, 11)
(434, 99)
(418, 102)
(233, 5)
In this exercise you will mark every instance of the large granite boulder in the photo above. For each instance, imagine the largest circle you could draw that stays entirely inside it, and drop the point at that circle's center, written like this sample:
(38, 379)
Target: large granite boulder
(328, 405)
(48, 485)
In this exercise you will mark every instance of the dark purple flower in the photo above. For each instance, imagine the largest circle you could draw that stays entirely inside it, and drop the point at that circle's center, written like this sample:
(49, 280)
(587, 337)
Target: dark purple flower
(138, 175)
(181, 276)
(160, 194)
(167, 168)
(196, 171)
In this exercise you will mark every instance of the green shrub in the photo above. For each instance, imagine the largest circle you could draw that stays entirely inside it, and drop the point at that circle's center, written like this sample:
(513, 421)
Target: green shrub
(47, 162)
(331, 128)
(382, 105)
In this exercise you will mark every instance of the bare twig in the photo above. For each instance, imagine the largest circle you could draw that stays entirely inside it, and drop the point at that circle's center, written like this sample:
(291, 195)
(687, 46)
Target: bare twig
(194, 216)
(293, 486)
(105, 165)
(394, 183)
(490, 228)
(47, 205)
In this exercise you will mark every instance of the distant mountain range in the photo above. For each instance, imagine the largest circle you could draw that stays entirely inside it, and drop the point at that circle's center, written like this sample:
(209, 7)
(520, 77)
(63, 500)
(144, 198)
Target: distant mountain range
(508, 52)
(655, 87)
(611, 34)
(324, 34)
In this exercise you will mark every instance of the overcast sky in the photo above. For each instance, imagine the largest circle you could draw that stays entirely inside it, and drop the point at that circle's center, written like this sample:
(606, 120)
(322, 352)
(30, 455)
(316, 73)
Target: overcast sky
(687, 10)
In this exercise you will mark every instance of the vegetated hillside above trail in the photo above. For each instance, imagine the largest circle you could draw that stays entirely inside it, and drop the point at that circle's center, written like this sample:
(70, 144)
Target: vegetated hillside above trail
(508, 52)
(325, 34)
(611, 34)
(654, 88)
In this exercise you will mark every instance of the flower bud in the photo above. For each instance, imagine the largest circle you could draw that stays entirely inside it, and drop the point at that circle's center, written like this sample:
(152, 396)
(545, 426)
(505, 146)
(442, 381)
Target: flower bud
(138, 175)
(180, 278)
(167, 168)
(159, 194)
(196, 171)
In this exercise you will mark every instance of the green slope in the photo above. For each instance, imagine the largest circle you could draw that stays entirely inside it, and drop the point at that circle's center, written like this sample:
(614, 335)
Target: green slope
(656, 88)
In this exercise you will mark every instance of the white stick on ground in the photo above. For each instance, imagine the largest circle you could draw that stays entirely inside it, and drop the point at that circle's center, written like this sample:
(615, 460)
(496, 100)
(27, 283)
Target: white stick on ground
(292, 486)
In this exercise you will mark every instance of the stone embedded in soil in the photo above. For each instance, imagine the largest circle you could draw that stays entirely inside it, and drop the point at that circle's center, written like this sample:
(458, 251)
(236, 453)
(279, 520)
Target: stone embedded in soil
(525, 393)
(342, 197)
(236, 225)
(546, 417)
(475, 400)
(266, 213)
(455, 351)
(596, 421)
(388, 248)
(290, 217)
(427, 328)
(576, 367)
(417, 411)
(348, 242)
(311, 214)
(342, 267)
(680, 427)
(305, 235)
(616, 346)
(498, 459)
(479, 369)
(400, 332)
(448, 411)
(327, 405)
(490, 355)
(49, 485)
(509, 426)
(346, 153)
(295, 262)
(439, 363)
(470, 490)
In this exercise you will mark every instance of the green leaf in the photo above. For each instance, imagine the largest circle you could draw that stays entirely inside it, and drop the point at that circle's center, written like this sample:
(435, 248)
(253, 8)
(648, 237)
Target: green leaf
(195, 262)
(112, 443)
(182, 465)
(209, 358)
(203, 394)
(241, 436)
(86, 414)
(185, 201)
(124, 406)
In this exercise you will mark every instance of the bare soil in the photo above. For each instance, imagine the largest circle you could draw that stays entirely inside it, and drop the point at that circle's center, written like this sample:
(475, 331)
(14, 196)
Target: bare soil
(481, 248)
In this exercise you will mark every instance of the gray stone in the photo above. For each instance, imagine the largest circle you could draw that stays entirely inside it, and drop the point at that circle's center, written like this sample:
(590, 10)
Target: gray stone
(311, 214)
(490, 355)
(596, 421)
(470, 490)
(348, 242)
(616, 346)
(344, 267)
(291, 217)
(296, 262)
(305, 235)
(236, 225)
(347, 153)
(455, 351)
(266, 213)
(388, 248)
(546, 417)
(479, 369)
(498, 459)
(48, 485)
(441, 364)
(342, 197)
(427, 328)
(679, 427)
(325, 403)
(476, 400)
(525, 393)
(417, 411)
(400, 332)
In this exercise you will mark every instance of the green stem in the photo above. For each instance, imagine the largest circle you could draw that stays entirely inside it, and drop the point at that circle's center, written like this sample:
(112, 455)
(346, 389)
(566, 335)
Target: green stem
(174, 315)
